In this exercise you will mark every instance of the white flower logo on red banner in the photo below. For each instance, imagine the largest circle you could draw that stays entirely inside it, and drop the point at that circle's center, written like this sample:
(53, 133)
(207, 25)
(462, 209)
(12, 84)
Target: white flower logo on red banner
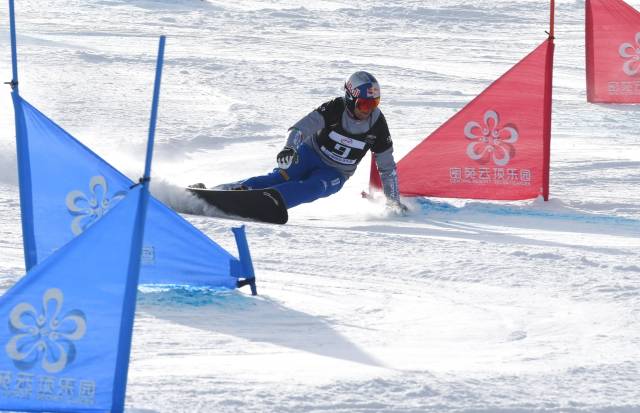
(632, 53)
(490, 140)
(47, 336)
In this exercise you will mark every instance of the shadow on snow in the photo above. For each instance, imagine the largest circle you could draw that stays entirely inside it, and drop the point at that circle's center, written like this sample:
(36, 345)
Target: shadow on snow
(257, 319)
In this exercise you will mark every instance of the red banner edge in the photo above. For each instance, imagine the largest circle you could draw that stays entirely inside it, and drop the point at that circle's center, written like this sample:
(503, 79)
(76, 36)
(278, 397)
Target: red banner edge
(548, 101)
(375, 183)
(589, 55)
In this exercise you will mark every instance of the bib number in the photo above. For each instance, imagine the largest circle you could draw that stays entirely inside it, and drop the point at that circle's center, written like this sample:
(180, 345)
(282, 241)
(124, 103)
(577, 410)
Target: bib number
(341, 150)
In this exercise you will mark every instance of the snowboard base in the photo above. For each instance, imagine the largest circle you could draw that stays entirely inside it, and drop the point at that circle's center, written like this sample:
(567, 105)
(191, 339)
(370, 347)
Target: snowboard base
(265, 205)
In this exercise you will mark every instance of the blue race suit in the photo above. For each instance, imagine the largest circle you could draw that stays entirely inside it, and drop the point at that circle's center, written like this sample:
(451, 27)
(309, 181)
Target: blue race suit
(304, 181)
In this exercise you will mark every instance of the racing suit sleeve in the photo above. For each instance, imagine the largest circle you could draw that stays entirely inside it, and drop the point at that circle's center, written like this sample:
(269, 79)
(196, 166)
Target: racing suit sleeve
(307, 126)
(326, 114)
(388, 174)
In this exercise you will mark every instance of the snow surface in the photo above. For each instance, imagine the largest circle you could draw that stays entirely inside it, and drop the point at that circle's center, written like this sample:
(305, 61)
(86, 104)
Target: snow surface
(463, 306)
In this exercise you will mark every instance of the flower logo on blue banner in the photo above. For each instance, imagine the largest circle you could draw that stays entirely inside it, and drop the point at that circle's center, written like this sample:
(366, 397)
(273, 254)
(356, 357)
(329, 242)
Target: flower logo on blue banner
(87, 209)
(47, 336)
(490, 141)
(632, 52)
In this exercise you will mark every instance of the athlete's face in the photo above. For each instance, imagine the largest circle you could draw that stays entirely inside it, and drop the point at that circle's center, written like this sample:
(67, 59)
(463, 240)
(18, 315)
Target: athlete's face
(361, 115)
(364, 107)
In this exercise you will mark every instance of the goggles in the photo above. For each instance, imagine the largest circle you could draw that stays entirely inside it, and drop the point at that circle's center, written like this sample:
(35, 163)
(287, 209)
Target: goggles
(366, 104)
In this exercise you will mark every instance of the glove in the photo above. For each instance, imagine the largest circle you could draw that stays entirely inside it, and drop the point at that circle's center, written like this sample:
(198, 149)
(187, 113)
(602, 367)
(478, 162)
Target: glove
(287, 157)
(397, 207)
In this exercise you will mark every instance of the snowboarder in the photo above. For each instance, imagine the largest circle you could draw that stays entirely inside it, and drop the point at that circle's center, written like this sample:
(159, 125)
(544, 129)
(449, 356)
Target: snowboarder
(324, 148)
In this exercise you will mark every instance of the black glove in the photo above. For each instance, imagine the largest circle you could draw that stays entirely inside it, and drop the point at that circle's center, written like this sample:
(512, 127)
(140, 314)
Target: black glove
(287, 157)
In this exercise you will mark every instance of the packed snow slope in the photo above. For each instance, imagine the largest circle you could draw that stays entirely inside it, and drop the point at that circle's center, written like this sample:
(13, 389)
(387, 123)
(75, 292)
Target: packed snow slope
(462, 306)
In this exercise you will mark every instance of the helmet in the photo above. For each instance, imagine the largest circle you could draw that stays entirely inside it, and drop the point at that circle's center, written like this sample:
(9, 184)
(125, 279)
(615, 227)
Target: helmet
(362, 87)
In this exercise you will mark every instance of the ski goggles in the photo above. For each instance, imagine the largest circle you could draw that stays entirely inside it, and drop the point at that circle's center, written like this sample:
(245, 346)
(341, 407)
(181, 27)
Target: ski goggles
(367, 104)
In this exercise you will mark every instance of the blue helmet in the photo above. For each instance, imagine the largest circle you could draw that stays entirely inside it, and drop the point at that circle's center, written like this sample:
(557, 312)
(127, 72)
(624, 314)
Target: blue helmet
(360, 85)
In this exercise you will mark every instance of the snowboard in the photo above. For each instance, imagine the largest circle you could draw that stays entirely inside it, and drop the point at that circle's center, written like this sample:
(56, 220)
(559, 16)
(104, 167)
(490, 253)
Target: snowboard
(265, 205)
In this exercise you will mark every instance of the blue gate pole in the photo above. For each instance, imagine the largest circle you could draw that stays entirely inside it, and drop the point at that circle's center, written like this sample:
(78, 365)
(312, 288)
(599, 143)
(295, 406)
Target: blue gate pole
(22, 150)
(131, 291)
(14, 52)
(245, 258)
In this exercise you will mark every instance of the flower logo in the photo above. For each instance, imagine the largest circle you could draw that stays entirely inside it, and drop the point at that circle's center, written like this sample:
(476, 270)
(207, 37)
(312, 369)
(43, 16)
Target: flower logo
(490, 141)
(46, 336)
(632, 52)
(88, 209)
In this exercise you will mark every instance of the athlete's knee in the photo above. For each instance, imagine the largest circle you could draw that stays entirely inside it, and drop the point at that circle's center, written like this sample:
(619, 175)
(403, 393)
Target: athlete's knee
(330, 186)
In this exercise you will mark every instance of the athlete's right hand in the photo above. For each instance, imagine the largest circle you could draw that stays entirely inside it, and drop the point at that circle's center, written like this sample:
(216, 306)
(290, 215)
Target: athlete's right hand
(287, 157)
